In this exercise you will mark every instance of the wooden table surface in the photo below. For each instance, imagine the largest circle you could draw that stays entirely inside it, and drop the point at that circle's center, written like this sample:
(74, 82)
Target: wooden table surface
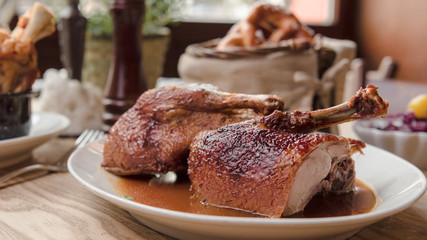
(56, 206)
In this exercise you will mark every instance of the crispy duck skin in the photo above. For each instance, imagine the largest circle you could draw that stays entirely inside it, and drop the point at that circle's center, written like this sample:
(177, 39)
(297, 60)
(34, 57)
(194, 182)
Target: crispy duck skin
(265, 166)
(155, 134)
(266, 171)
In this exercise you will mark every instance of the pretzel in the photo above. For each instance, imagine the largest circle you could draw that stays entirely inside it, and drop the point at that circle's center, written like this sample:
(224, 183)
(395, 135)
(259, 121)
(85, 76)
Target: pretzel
(265, 24)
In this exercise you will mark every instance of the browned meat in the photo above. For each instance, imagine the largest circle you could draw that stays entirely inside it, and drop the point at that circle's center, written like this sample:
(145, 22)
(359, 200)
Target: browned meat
(155, 134)
(258, 166)
(265, 24)
(18, 56)
(267, 171)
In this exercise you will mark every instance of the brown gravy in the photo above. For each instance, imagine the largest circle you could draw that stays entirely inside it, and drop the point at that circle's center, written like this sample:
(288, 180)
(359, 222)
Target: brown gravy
(178, 197)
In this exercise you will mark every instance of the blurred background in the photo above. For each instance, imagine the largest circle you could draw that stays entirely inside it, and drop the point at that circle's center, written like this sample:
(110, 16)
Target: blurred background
(379, 28)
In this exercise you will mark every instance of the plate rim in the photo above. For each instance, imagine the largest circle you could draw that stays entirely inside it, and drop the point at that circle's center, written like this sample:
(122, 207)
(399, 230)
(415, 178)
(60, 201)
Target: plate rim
(64, 123)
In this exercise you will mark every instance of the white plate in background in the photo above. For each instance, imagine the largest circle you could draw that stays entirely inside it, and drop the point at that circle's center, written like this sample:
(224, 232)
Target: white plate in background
(44, 126)
(408, 145)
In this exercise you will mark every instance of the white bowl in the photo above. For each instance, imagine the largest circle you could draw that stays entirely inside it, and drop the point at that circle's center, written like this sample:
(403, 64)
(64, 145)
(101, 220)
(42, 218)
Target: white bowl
(411, 146)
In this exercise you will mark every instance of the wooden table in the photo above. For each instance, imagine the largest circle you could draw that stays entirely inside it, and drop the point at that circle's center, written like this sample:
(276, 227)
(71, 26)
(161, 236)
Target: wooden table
(56, 206)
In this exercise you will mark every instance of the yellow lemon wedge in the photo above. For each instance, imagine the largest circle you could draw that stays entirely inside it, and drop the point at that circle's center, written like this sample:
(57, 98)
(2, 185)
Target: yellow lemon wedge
(418, 104)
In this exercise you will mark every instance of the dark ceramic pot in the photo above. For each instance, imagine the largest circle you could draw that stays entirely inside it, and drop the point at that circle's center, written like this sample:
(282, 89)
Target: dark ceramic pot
(15, 114)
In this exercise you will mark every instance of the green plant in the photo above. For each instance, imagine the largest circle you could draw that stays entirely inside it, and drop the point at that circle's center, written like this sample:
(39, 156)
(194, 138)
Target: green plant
(158, 14)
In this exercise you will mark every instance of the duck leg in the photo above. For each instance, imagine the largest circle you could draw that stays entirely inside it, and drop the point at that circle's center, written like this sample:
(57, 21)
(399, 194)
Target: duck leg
(365, 104)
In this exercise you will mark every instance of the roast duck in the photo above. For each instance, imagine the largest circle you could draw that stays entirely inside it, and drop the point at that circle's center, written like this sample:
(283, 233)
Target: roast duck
(240, 151)
(155, 134)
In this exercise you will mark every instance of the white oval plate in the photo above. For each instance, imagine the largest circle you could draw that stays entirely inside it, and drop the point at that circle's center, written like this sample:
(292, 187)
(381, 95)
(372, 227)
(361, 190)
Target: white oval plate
(397, 183)
(44, 126)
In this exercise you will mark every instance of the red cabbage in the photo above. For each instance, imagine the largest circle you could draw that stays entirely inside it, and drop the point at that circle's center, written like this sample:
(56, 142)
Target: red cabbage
(403, 122)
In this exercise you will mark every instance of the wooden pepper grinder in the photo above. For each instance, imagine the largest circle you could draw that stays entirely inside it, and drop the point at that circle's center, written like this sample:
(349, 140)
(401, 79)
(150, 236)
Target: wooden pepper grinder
(126, 80)
(72, 28)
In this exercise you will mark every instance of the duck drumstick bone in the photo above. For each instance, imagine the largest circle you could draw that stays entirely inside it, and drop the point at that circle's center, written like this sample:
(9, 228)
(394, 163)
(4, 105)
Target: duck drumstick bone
(365, 104)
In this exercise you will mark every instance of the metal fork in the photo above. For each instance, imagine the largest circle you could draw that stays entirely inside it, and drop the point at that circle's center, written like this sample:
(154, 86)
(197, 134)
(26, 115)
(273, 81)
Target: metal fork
(61, 165)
